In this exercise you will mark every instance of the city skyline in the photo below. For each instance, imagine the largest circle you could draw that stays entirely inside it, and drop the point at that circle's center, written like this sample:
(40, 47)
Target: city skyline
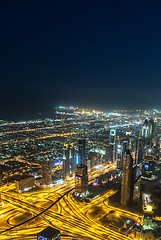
(101, 54)
(84, 173)
(80, 120)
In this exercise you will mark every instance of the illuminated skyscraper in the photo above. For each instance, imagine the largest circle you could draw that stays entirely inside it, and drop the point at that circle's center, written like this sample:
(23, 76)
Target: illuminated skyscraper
(65, 163)
(46, 171)
(69, 161)
(145, 129)
(81, 179)
(152, 132)
(81, 151)
(148, 131)
(138, 152)
(151, 127)
(111, 151)
(119, 151)
(73, 160)
(148, 167)
(127, 179)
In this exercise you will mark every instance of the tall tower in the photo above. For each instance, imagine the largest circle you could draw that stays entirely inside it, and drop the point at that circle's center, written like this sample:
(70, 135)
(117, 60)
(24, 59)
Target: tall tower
(151, 127)
(81, 151)
(127, 179)
(145, 129)
(119, 151)
(111, 147)
(151, 131)
(81, 179)
(67, 162)
(138, 152)
(46, 171)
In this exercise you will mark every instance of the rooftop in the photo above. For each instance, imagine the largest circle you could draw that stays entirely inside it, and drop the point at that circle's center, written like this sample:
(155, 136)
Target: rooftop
(49, 232)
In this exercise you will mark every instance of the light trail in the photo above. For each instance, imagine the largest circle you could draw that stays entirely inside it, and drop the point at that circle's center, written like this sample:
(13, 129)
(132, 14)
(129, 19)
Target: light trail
(36, 129)
(41, 138)
(129, 214)
(67, 215)
(41, 128)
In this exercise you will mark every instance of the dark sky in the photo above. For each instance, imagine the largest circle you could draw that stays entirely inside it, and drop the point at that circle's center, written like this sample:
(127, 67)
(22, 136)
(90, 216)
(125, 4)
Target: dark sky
(102, 54)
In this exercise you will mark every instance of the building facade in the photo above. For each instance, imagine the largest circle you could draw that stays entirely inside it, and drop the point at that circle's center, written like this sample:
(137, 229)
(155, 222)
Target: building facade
(46, 171)
(81, 179)
(127, 178)
(81, 151)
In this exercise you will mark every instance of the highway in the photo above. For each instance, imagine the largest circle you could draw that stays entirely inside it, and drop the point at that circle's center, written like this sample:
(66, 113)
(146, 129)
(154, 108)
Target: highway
(25, 214)
(43, 137)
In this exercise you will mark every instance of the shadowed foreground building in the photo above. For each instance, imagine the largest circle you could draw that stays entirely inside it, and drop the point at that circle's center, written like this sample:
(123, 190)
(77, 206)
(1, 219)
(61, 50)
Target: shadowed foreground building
(127, 179)
(49, 233)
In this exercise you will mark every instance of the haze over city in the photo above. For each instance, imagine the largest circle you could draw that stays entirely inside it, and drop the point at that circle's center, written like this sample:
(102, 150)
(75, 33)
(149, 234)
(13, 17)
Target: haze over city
(80, 120)
(88, 53)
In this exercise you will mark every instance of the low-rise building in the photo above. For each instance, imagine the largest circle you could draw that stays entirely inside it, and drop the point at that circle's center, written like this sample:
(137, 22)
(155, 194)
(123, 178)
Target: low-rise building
(24, 182)
(49, 233)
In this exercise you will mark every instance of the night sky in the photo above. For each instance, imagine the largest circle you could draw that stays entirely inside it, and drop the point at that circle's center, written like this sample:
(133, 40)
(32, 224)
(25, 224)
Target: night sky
(102, 54)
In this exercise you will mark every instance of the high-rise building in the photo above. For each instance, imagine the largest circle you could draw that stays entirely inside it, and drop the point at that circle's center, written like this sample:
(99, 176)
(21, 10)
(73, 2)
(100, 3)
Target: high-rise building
(66, 163)
(69, 161)
(94, 159)
(151, 127)
(137, 188)
(49, 233)
(72, 157)
(145, 129)
(148, 131)
(81, 179)
(119, 151)
(111, 151)
(138, 141)
(81, 151)
(148, 165)
(127, 179)
(46, 171)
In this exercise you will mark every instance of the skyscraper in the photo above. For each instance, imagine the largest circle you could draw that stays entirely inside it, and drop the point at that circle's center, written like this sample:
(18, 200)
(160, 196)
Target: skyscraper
(111, 148)
(148, 167)
(65, 163)
(81, 179)
(145, 129)
(72, 158)
(127, 179)
(137, 151)
(151, 131)
(81, 151)
(148, 131)
(118, 150)
(151, 127)
(46, 171)
(69, 162)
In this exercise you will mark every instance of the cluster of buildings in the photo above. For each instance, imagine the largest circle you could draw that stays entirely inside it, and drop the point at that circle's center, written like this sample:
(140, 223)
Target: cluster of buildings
(46, 152)
(142, 164)
(138, 160)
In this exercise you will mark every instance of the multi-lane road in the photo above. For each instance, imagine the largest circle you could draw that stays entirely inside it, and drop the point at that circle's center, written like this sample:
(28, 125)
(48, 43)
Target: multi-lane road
(23, 215)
